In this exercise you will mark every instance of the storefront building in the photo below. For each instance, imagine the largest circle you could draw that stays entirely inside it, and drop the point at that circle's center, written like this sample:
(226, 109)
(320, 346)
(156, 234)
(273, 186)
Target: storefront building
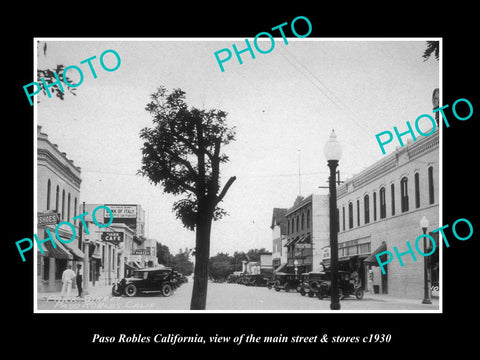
(380, 208)
(307, 233)
(58, 192)
(279, 235)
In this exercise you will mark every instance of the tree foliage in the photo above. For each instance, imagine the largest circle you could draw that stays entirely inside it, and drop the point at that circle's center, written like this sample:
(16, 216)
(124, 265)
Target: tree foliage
(49, 76)
(182, 152)
(432, 48)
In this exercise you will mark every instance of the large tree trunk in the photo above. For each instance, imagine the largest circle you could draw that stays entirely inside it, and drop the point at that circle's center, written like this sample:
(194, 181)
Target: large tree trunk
(202, 255)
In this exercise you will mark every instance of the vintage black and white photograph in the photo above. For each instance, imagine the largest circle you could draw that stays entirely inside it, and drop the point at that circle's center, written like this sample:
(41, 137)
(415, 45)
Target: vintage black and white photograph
(271, 174)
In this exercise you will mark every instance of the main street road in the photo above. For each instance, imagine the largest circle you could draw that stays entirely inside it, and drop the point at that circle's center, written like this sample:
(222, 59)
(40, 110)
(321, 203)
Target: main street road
(224, 296)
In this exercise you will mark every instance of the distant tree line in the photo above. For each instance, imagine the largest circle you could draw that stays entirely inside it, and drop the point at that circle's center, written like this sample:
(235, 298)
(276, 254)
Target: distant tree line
(223, 264)
(179, 262)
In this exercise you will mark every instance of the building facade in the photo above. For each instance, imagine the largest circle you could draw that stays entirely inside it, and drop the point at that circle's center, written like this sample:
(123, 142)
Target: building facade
(307, 233)
(380, 208)
(279, 235)
(58, 193)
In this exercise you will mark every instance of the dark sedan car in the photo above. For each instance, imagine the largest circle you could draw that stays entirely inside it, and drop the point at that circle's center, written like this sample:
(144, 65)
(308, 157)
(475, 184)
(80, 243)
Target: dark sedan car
(146, 280)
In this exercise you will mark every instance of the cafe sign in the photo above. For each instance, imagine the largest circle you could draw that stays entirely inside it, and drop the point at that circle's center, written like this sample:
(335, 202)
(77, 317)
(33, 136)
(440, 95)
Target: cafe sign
(112, 236)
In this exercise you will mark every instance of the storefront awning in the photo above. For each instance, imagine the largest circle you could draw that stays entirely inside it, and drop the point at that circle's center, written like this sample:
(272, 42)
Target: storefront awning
(372, 259)
(59, 252)
(304, 239)
(292, 241)
(75, 251)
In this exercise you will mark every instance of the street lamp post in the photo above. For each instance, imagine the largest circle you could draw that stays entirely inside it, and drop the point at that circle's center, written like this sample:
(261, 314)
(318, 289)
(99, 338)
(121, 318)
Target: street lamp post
(333, 153)
(426, 294)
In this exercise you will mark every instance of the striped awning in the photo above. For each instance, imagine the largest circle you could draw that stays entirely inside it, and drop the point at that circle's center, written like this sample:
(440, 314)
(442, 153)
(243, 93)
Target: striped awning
(76, 252)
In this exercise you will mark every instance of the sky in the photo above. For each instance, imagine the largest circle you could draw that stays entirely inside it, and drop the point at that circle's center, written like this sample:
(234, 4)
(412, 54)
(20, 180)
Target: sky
(283, 104)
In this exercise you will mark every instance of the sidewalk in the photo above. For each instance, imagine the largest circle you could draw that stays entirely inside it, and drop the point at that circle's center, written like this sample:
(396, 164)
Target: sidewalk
(94, 292)
(389, 298)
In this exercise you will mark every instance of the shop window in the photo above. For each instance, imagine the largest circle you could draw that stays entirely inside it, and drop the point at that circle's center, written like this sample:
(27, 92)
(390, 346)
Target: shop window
(404, 194)
(366, 205)
(383, 204)
(60, 266)
(46, 268)
(430, 185)
(392, 187)
(417, 190)
(49, 188)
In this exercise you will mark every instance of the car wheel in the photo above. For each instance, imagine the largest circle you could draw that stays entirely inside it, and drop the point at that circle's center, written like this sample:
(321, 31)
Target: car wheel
(320, 294)
(287, 288)
(115, 291)
(311, 294)
(302, 292)
(166, 290)
(130, 290)
(359, 294)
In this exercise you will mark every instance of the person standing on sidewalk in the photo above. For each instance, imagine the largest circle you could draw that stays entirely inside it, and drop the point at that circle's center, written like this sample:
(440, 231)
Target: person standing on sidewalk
(79, 279)
(67, 279)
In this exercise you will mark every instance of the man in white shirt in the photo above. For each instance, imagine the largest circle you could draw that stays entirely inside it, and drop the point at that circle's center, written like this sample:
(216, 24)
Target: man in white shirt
(67, 279)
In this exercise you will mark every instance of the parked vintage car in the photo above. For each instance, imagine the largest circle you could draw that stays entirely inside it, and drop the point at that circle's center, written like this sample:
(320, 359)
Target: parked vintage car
(310, 283)
(286, 281)
(256, 280)
(346, 286)
(147, 280)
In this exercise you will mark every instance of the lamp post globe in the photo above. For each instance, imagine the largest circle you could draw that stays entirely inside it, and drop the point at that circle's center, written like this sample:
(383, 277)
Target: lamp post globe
(333, 153)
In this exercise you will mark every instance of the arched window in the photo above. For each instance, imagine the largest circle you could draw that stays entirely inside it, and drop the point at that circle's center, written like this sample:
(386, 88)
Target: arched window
(297, 222)
(343, 218)
(431, 193)
(392, 187)
(350, 215)
(417, 190)
(68, 207)
(404, 194)
(63, 204)
(303, 220)
(383, 204)
(374, 206)
(308, 219)
(358, 212)
(57, 199)
(366, 206)
(49, 189)
(75, 210)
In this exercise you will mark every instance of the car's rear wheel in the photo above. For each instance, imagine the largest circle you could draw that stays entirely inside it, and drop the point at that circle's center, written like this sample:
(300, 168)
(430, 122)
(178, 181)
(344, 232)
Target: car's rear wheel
(130, 290)
(359, 294)
(302, 292)
(166, 290)
(311, 294)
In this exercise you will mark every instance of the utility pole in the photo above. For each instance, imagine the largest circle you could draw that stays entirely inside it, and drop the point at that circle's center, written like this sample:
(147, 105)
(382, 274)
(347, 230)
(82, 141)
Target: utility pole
(86, 265)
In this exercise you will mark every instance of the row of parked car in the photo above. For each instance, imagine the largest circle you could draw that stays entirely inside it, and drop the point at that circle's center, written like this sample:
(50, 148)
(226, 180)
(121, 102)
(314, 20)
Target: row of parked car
(307, 284)
(162, 280)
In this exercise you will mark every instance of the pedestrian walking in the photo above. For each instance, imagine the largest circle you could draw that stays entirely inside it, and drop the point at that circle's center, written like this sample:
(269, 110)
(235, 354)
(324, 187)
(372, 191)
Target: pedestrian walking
(79, 279)
(67, 279)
